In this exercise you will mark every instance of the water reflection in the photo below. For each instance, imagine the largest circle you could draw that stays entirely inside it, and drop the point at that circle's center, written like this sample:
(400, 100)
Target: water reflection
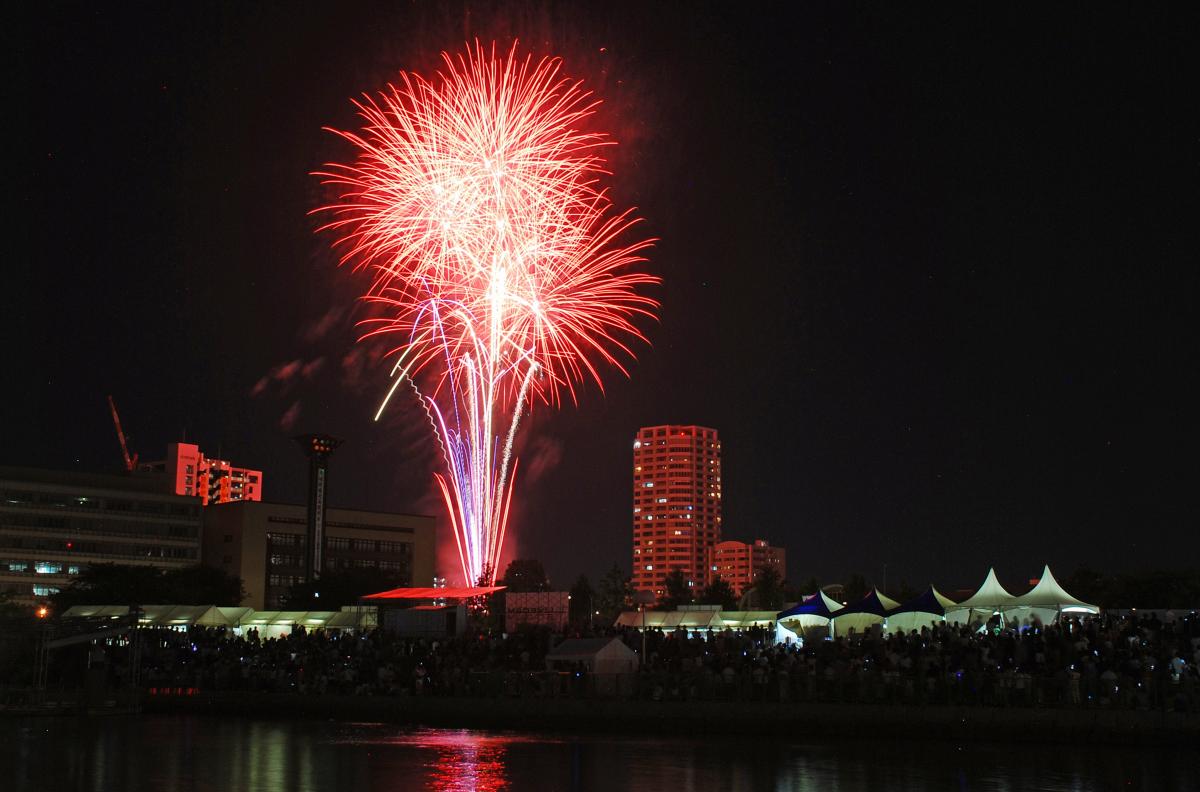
(468, 762)
(188, 754)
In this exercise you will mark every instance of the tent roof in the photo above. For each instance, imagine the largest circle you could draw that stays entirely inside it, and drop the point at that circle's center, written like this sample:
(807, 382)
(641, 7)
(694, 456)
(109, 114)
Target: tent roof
(95, 611)
(1049, 594)
(875, 604)
(989, 595)
(461, 592)
(584, 647)
(819, 604)
(310, 618)
(345, 619)
(167, 615)
(742, 619)
(929, 601)
(672, 620)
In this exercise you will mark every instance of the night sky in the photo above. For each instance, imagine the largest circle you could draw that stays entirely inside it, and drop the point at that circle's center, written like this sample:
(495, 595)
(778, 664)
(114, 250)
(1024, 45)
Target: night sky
(929, 272)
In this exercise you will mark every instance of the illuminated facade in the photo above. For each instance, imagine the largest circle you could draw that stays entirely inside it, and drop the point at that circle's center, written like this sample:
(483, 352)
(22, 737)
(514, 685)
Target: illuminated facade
(676, 504)
(738, 563)
(189, 472)
(53, 524)
(266, 545)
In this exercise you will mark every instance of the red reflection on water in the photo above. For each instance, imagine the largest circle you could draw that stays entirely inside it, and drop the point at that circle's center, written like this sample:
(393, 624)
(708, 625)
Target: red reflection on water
(468, 762)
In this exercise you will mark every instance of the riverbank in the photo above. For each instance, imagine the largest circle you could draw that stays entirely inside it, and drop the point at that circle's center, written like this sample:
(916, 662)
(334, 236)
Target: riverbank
(766, 719)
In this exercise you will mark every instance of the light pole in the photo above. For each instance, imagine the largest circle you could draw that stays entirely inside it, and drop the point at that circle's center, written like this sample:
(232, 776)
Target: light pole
(643, 598)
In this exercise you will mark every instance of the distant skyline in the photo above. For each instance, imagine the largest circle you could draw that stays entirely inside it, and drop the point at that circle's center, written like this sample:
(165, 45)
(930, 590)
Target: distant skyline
(929, 275)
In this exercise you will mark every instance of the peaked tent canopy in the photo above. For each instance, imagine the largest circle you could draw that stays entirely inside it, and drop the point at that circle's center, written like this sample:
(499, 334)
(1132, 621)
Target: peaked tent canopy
(876, 603)
(810, 615)
(990, 595)
(1045, 601)
(819, 605)
(869, 610)
(931, 605)
(989, 599)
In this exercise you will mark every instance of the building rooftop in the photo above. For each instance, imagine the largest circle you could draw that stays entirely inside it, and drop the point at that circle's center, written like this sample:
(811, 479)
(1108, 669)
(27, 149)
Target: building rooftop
(139, 481)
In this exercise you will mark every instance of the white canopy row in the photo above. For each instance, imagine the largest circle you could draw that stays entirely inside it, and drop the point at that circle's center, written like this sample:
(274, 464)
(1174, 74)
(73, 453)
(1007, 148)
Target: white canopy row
(1044, 603)
(714, 619)
(215, 616)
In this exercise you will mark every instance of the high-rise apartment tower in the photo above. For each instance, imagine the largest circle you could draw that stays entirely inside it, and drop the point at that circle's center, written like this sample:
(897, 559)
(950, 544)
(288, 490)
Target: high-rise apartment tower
(676, 504)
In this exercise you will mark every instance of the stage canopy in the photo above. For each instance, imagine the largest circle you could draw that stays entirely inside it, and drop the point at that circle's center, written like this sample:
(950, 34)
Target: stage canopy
(463, 592)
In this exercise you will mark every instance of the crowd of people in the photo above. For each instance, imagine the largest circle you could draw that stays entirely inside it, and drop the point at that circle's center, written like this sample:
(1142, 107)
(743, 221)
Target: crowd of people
(1096, 662)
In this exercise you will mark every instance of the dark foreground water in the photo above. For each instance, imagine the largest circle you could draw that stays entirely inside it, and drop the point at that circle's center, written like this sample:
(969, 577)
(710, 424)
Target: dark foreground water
(188, 753)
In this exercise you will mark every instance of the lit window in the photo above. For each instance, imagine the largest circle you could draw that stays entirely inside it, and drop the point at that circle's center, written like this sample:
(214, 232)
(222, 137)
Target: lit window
(649, 567)
(48, 568)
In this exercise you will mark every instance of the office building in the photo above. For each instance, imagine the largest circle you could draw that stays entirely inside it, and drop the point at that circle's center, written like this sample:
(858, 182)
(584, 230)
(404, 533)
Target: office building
(676, 504)
(265, 544)
(53, 524)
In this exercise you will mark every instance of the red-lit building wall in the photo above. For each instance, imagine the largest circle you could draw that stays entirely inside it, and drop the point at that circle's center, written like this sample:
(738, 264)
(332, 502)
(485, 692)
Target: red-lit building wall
(676, 503)
(738, 563)
(211, 480)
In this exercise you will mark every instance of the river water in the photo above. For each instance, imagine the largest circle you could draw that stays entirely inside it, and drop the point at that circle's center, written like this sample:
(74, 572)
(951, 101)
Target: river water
(197, 754)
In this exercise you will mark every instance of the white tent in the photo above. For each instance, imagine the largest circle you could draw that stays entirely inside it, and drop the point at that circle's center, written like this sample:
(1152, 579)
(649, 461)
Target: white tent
(1045, 602)
(672, 620)
(268, 623)
(177, 616)
(858, 616)
(810, 617)
(743, 620)
(931, 606)
(990, 599)
(597, 655)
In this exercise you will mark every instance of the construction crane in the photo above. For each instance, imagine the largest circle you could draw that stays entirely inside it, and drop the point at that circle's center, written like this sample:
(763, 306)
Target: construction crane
(130, 461)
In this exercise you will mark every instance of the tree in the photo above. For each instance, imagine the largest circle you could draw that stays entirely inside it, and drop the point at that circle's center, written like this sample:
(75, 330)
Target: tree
(767, 591)
(856, 588)
(906, 592)
(583, 597)
(678, 590)
(614, 595)
(134, 584)
(202, 585)
(525, 574)
(719, 592)
(338, 588)
(1090, 586)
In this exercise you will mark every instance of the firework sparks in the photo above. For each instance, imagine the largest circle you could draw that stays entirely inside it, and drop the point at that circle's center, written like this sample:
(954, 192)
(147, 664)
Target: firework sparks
(475, 200)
